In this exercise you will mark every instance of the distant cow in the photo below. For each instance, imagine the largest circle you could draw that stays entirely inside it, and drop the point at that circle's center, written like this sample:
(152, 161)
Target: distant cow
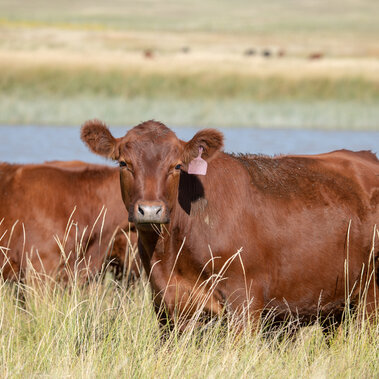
(148, 54)
(289, 234)
(266, 53)
(60, 216)
(249, 52)
(315, 56)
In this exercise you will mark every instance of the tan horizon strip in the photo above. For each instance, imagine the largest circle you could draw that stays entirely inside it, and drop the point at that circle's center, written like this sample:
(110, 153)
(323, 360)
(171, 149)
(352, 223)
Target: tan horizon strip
(163, 41)
(197, 63)
(24, 34)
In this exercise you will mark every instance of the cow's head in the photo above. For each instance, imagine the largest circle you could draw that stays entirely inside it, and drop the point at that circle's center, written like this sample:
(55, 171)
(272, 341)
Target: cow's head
(151, 159)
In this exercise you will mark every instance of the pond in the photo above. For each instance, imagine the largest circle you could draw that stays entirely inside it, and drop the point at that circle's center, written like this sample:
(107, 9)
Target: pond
(34, 144)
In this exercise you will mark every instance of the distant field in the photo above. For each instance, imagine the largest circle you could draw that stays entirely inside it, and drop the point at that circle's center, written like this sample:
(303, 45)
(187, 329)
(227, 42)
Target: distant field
(191, 62)
(343, 25)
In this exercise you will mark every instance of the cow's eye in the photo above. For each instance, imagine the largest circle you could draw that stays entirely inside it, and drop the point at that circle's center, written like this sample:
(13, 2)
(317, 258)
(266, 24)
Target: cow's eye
(122, 164)
(178, 167)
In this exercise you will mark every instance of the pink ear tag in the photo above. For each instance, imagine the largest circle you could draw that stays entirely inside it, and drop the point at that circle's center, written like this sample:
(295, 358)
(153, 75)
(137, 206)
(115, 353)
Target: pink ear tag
(198, 166)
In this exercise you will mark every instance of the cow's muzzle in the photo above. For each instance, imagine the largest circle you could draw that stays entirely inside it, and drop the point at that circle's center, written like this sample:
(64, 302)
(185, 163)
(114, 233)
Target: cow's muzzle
(150, 212)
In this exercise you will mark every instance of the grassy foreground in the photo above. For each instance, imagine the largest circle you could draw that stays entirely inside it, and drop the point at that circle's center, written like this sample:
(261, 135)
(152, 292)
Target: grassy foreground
(106, 329)
(111, 331)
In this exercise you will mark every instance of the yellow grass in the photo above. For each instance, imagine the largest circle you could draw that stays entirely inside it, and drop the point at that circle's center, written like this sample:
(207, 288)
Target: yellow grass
(51, 329)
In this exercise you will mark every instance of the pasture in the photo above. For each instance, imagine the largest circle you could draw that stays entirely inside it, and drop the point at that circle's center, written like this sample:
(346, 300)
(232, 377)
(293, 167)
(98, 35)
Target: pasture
(191, 64)
(110, 330)
(186, 63)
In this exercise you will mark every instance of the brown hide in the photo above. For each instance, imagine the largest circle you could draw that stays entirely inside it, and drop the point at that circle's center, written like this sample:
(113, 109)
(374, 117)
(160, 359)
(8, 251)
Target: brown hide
(42, 204)
(288, 234)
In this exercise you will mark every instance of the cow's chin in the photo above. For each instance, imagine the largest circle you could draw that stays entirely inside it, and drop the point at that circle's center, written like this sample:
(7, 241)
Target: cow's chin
(148, 223)
(150, 226)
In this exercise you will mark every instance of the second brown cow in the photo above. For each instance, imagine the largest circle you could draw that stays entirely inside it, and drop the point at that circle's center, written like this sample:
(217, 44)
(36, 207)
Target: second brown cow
(63, 219)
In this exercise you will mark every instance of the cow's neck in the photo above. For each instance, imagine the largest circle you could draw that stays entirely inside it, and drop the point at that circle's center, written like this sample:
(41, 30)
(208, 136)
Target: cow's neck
(205, 201)
(190, 204)
(147, 241)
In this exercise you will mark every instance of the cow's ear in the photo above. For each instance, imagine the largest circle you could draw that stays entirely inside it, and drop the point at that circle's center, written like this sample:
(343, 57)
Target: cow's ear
(96, 135)
(211, 140)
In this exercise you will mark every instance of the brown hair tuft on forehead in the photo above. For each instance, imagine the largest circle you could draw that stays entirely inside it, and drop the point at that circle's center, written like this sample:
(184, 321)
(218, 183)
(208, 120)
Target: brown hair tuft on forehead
(152, 127)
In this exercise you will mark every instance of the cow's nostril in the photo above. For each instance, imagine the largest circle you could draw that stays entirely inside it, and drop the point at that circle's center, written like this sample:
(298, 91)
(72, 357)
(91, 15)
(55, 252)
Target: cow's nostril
(149, 212)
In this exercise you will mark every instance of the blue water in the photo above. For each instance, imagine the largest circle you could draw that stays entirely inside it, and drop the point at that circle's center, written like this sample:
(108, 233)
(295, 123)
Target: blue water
(33, 144)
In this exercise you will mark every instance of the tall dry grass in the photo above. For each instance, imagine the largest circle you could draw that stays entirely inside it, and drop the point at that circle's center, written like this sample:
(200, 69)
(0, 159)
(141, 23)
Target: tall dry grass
(105, 328)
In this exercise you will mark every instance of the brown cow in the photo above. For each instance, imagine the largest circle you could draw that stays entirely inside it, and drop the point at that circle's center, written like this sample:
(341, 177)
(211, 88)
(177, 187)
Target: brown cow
(63, 215)
(286, 234)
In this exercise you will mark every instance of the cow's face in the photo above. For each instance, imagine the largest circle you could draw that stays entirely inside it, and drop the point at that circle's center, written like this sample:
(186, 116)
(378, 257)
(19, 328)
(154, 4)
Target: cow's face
(151, 159)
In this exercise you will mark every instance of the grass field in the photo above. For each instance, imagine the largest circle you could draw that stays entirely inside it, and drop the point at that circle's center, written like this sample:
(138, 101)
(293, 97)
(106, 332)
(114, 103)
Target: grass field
(106, 329)
(109, 331)
(63, 63)
(184, 63)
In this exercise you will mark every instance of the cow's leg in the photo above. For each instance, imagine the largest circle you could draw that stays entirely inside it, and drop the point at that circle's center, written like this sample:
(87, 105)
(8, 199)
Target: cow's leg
(10, 269)
(371, 305)
(244, 308)
(183, 303)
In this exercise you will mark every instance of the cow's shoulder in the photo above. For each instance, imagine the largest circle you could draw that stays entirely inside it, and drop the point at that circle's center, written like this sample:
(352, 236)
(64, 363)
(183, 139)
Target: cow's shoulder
(279, 175)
